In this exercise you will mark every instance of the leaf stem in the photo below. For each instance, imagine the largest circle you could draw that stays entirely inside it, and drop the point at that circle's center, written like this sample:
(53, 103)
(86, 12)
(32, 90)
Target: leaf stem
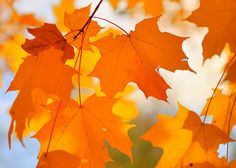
(79, 58)
(83, 30)
(80, 63)
(106, 20)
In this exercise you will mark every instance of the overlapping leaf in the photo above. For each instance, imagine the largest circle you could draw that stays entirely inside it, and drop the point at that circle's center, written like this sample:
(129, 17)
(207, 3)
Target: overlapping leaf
(44, 71)
(59, 11)
(222, 30)
(82, 130)
(46, 36)
(186, 140)
(135, 58)
(222, 110)
(82, 28)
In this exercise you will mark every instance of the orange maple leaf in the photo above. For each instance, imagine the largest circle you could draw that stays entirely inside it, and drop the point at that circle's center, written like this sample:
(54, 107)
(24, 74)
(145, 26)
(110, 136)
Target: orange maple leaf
(222, 110)
(59, 11)
(46, 36)
(208, 135)
(44, 71)
(186, 140)
(82, 130)
(134, 57)
(221, 31)
(81, 30)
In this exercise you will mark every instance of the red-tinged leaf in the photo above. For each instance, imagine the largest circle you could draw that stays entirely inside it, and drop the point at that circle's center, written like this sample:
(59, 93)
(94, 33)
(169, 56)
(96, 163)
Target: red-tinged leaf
(46, 36)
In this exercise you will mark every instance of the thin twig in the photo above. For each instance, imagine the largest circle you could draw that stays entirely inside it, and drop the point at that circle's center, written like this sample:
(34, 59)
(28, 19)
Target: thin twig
(89, 20)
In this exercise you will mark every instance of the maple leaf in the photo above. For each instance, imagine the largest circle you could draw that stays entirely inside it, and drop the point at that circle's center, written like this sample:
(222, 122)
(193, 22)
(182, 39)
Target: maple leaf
(208, 135)
(135, 58)
(45, 72)
(59, 11)
(82, 130)
(186, 140)
(58, 159)
(76, 22)
(220, 108)
(221, 31)
(46, 36)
